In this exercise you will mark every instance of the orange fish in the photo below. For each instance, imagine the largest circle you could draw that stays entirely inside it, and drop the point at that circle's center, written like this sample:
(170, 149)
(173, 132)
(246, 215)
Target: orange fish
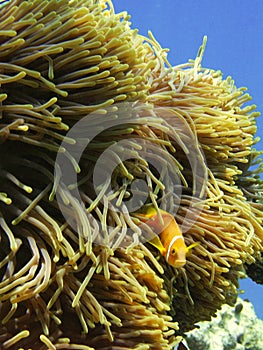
(170, 241)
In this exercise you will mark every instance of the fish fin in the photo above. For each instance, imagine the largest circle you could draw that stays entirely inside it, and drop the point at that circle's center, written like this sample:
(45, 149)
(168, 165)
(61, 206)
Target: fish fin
(145, 213)
(190, 247)
(149, 211)
(156, 242)
(140, 216)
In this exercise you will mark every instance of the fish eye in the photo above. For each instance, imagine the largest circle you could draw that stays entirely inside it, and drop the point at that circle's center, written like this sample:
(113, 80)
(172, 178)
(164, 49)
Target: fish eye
(173, 252)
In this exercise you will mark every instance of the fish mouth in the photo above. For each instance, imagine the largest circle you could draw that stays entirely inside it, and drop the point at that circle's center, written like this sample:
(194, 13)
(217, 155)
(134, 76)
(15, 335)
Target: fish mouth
(179, 263)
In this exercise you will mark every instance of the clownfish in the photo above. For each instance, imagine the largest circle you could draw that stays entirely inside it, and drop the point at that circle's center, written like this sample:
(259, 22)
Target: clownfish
(170, 241)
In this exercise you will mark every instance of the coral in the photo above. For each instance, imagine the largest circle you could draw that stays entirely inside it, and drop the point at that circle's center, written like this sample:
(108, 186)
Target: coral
(78, 272)
(234, 327)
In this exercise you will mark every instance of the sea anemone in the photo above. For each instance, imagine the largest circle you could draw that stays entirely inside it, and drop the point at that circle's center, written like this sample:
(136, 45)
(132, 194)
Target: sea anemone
(230, 224)
(76, 268)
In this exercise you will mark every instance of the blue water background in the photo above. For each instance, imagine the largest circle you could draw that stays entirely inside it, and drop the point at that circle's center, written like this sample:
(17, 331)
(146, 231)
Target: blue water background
(235, 46)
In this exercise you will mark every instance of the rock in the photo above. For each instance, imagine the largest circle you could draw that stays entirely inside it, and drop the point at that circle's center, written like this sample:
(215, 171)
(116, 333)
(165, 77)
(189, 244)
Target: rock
(234, 328)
